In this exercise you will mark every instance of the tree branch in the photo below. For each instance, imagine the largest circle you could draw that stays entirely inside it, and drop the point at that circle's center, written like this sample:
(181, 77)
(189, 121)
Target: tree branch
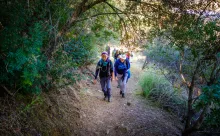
(81, 8)
(115, 8)
(99, 14)
(154, 6)
(197, 21)
(180, 70)
(6, 89)
(212, 77)
(197, 123)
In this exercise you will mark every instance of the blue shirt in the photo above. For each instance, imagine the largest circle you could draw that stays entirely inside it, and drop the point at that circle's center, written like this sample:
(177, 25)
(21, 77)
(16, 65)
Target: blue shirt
(121, 67)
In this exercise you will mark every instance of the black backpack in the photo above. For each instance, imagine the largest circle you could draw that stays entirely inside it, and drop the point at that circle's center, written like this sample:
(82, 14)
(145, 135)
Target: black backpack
(108, 66)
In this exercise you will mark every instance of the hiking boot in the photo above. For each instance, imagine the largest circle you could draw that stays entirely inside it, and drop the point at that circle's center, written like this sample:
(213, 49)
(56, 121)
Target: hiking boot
(109, 99)
(105, 96)
(123, 95)
(120, 92)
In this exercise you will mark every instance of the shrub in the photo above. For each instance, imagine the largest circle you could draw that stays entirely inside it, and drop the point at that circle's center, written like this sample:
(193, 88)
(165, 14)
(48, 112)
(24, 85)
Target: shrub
(156, 87)
(24, 67)
(82, 49)
(160, 50)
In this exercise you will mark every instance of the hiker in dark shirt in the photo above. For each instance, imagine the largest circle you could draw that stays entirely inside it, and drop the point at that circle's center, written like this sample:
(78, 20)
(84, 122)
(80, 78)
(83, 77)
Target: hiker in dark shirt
(108, 50)
(117, 53)
(104, 69)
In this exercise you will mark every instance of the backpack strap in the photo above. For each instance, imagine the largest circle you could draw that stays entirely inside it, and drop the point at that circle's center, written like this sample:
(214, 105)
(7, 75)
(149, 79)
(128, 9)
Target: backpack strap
(101, 64)
(126, 63)
(108, 65)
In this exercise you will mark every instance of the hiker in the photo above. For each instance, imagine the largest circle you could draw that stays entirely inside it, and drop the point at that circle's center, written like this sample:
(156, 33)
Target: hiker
(108, 49)
(104, 69)
(128, 55)
(121, 51)
(117, 53)
(113, 52)
(122, 73)
(132, 54)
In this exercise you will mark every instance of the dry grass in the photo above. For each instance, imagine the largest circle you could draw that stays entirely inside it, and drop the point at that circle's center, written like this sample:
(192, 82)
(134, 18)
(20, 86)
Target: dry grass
(156, 87)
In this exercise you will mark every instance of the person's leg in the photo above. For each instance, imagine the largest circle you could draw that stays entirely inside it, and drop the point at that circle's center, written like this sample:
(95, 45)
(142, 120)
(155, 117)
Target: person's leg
(129, 75)
(123, 84)
(108, 80)
(103, 86)
(120, 82)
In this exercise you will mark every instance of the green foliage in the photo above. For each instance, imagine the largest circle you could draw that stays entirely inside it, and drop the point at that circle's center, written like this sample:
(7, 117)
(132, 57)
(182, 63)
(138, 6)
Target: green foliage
(150, 81)
(82, 49)
(24, 65)
(158, 88)
(196, 38)
(210, 96)
(61, 70)
(29, 33)
(212, 119)
(161, 51)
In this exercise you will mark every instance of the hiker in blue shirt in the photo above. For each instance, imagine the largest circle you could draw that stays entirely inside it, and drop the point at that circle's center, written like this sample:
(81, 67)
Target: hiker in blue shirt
(122, 73)
(104, 69)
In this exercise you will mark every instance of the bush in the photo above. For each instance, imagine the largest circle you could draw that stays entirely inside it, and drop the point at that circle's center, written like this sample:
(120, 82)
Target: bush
(82, 49)
(161, 51)
(156, 87)
(28, 63)
(213, 119)
(24, 67)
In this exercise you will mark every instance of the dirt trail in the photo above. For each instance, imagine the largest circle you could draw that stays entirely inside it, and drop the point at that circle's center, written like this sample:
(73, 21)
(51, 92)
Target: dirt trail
(130, 116)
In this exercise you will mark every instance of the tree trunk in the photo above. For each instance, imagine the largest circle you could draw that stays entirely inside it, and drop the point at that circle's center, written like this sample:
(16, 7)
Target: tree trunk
(80, 9)
(189, 112)
(197, 124)
(188, 127)
(145, 63)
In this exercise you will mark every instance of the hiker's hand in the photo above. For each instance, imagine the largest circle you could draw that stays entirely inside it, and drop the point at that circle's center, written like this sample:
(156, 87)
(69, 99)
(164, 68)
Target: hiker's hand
(116, 78)
(113, 78)
(95, 81)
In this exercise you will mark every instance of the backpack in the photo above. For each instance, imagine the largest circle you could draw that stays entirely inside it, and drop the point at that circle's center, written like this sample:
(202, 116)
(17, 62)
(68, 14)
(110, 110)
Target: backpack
(125, 63)
(108, 66)
(128, 71)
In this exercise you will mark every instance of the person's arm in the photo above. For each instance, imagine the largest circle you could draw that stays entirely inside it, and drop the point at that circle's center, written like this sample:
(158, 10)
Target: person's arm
(112, 71)
(115, 68)
(96, 72)
(115, 56)
(128, 64)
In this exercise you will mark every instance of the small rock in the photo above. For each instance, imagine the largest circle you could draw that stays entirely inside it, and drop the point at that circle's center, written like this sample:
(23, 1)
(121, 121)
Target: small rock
(121, 128)
(99, 91)
(97, 133)
(107, 132)
(128, 103)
